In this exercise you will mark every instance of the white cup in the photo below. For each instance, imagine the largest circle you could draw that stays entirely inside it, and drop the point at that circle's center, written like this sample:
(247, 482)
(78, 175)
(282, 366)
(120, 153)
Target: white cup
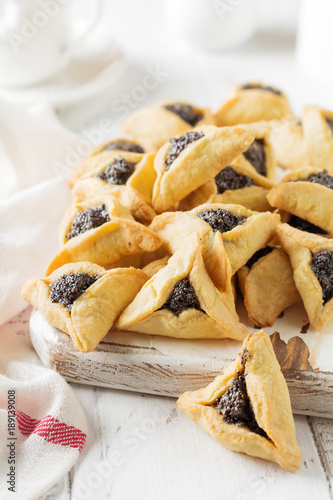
(314, 46)
(34, 39)
(211, 24)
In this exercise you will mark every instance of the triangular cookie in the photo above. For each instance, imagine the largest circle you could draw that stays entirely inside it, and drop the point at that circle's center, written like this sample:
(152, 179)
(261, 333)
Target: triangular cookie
(127, 176)
(114, 235)
(243, 232)
(154, 125)
(247, 408)
(187, 162)
(318, 134)
(253, 102)
(307, 193)
(181, 301)
(83, 299)
(311, 257)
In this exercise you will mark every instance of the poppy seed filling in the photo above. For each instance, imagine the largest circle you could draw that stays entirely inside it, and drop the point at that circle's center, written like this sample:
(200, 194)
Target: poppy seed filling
(256, 155)
(229, 178)
(186, 112)
(68, 287)
(130, 147)
(235, 406)
(88, 218)
(273, 90)
(179, 144)
(322, 266)
(259, 254)
(221, 220)
(323, 178)
(182, 297)
(118, 172)
(304, 225)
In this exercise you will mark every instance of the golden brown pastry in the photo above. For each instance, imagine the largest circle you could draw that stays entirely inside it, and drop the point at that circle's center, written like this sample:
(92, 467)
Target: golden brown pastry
(106, 152)
(242, 185)
(253, 102)
(259, 156)
(154, 125)
(189, 161)
(311, 257)
(247, 409)
(101, 230)
(181, 301)
(116, 179)
(267, 284)
(120, 169)
(288, 143)
(84, 300)
(307, 193)
(241, 231)
(318, 133)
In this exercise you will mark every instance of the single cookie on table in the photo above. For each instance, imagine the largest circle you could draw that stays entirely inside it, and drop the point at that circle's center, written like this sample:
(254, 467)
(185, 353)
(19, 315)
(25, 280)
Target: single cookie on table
(181, 301)
(119, 178)
(307, 193)
(311, 257)
(253, 102)
(154, 125)
(318, 133)
(101, 230)
(84, 300)
(259, 156)
(247, 408)
(239, 230)
(189, 161)
(130, 169)
(267, 285)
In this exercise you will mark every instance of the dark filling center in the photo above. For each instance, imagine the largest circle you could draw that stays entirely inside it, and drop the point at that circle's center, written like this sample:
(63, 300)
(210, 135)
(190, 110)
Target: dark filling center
(256, 155)
(178, 145)
(322, 266)
(329, 122)
(182, 297)
(124, 146)
(229, 178)
(186, 112)
(88, 218)
(273, 90)
(235, 406)
(221, 220)
(260, 253)
(304, 225)
(322, 178)
(117, 172)
(69, 287)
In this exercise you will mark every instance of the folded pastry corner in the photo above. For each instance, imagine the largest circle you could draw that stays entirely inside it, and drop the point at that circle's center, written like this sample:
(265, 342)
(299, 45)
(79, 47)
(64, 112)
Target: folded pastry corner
(247, 408)
(308, 194)
(189, 161)
(253, 102)
(267, 285)
(311, 257)
(241, 231)
(83, 299)
(181, 301)
(101, 230)
(318, 134)
(154, 125)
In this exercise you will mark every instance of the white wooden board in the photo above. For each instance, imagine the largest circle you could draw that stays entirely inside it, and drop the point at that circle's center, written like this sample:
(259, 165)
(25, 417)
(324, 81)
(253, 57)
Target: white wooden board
(165, 366)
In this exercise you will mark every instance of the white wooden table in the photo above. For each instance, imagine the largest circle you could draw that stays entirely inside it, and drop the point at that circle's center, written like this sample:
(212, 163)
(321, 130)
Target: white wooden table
(140, 446)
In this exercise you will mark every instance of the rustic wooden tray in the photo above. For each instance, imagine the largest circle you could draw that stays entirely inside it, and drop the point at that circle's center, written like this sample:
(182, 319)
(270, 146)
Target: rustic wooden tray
(168, 367)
